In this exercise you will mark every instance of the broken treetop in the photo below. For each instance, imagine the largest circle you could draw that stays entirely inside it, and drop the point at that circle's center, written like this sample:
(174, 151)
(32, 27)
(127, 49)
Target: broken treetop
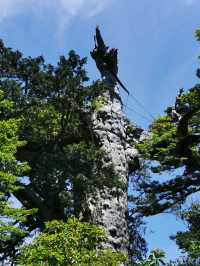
(105, 58)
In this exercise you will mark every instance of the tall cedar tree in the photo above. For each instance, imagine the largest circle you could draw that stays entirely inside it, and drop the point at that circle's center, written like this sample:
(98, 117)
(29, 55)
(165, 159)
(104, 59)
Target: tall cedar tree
(54, 106)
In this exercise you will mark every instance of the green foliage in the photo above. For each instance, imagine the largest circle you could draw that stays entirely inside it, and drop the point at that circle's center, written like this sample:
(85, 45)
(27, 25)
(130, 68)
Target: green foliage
(98, 103)
(173, 146)
(71, 243)
(137, 243)
(197, 34)
(189, 241)
(155, 259)
(162, 143)
(54, 106)
(10, 170)
(183, 261)
(163, 146)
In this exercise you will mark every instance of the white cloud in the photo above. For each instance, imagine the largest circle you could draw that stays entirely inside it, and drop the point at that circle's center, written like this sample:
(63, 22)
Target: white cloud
(69, 9)
(89, 7)
(65, 10)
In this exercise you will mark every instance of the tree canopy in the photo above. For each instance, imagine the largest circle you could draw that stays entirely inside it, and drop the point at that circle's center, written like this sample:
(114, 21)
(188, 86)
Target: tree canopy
(172, 146)
(53, 105)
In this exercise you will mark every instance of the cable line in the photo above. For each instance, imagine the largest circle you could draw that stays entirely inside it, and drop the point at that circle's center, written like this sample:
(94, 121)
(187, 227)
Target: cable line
(141, 105)
(139, 114)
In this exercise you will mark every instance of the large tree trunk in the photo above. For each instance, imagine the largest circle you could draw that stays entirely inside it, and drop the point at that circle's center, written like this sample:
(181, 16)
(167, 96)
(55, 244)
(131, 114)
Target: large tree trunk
(108, 206)
(111, 206)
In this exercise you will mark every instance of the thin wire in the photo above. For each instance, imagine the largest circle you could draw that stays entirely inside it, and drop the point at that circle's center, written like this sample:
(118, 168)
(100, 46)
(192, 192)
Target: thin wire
(141, 105)
(139, 114)
(135, 99)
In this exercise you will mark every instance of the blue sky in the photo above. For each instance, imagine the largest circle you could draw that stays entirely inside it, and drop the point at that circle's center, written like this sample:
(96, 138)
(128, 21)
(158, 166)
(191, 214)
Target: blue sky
(157, 53)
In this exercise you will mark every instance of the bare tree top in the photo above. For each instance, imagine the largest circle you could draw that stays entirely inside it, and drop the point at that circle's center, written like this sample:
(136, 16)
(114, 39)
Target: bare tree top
(105, 58)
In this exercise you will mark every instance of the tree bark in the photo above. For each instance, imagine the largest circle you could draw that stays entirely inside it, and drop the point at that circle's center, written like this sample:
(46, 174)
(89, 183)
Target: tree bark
(111, 206)
(108, 207)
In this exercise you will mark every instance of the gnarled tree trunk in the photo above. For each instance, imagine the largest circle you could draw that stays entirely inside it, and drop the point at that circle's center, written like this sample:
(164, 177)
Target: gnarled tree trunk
(107, 206)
